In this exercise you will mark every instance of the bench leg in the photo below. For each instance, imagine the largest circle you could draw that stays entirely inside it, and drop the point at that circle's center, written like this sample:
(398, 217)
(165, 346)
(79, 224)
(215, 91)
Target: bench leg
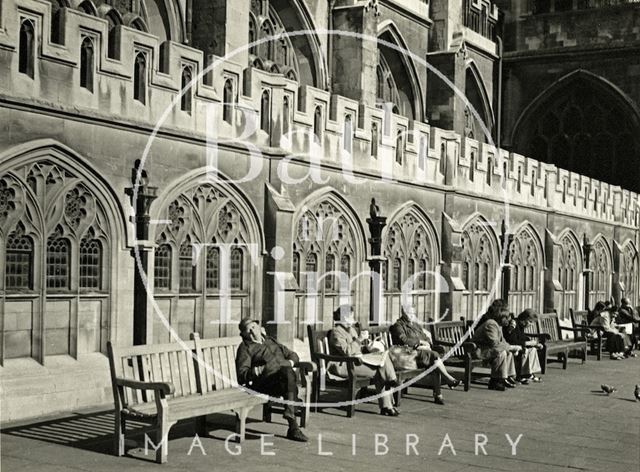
(266, 412)
(306, 408)
(584, 355)
(241, 422)
(543, 363)
(467, 375)
(118, 440)
(162, 440)
(565, 357)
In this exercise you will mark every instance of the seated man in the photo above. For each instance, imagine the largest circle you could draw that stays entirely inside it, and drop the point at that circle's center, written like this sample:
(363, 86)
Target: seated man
(407, 331)
(266, 366)
(515, 334)
(497, 352)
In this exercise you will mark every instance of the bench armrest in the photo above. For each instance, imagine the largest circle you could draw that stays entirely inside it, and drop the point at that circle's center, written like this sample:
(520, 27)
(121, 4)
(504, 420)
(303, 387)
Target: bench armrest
(165, 388)
(331, 358)
(543, 337)
(444, 343)
(306, 367)
(575, 330)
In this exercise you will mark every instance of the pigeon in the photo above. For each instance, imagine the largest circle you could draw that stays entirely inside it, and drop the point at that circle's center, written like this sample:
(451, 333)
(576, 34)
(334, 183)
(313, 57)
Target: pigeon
(608, 389)
(636, 392)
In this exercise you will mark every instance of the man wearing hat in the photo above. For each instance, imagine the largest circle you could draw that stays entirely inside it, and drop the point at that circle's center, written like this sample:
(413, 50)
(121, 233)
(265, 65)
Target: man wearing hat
(266, 366)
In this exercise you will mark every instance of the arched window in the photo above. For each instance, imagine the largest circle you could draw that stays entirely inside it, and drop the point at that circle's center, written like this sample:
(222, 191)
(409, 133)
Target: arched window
(329, 266)
(375, 137)
(140, 78)
(212, 276)
(265, 112)
(443, 158)
(472, 166)
(86, 64)
(237, 269)
(90, 264)
(58, 263)
(519, 181)
(490, 171)
(422, 153)
(26, 51)
(162, 267)
(396, 282)
(465, 275)
(400, 147)
(286, 115)
(345, 265)
(187, 94)
(533, 182)
(252, 36)
(295, 266)
(112, 41)
(19, 261)
(505, 174)
(187, 267)
(317, 124)
(347, 134)
(229, 102)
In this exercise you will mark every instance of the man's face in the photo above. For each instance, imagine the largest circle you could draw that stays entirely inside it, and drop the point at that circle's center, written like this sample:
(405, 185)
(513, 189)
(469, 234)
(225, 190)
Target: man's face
(348, 319)
(254, 332)
(411, 314)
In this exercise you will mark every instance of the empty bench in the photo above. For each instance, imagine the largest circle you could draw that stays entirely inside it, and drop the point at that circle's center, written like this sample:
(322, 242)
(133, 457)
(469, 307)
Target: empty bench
(161, 384)
(449, 335)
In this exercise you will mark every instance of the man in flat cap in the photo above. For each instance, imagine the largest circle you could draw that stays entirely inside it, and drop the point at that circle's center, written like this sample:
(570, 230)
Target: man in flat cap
(266, 366)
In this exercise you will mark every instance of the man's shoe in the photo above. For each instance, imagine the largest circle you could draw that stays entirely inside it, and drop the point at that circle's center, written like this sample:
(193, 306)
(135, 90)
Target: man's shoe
(438, 400)
(296, 434)
(496, 385)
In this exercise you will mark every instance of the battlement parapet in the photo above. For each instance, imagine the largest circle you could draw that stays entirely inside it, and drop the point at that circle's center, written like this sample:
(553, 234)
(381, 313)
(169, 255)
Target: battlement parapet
(277, 115)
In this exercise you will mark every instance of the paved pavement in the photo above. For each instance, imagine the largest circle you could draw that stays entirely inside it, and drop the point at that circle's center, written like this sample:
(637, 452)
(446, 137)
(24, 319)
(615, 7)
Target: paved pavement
(566, 423)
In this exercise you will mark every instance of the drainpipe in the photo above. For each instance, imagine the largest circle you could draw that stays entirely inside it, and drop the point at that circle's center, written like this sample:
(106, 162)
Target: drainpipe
(188, 20)
(330, 47)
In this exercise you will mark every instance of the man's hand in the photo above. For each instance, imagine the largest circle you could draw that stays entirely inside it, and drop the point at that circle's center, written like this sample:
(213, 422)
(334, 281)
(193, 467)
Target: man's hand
(257, 370)
(515, 348)
(363, 336)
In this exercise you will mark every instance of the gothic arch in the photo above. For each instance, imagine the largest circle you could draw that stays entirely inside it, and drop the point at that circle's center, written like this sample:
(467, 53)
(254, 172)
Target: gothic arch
(577, 119)
(200, 178)
(476, 93)
(59, 154)
(411, 247)
(293, 16)
(208, 257)
(629, 272)
(480, 260)
(328, 251)
(601, 265)
(391, 45)
(164, 19)
(527, 259)
(62, 232)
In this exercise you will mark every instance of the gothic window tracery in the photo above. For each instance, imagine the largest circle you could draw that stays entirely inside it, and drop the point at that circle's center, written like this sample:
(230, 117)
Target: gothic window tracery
(277, 53)
(410, 253)
(63, 254)
(629, 273)
(569, 269)
(601, 272)
(526, 261)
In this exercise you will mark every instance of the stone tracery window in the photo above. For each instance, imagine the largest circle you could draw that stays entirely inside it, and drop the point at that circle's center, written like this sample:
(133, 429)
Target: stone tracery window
(629, 273)
(525, 258)
(601, 273)
(410, 253)
(478, 263)
(277, 53)
(578, 124)
(325, 241)
(569, 269)
(64, 254)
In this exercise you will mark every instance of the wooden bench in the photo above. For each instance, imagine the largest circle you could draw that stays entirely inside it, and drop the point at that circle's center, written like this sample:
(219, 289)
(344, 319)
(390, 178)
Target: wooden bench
(549, 332)
(448, 334)
(161, 384)
(593, 335)
(319, 349)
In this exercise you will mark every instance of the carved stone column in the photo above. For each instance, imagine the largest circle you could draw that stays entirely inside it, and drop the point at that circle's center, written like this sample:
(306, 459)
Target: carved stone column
(506, 239)
(141, 202)
(376, 224)
(587, 247)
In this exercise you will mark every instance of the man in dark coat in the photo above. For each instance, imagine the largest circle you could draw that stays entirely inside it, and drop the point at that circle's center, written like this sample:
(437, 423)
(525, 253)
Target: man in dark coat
(266, 366)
